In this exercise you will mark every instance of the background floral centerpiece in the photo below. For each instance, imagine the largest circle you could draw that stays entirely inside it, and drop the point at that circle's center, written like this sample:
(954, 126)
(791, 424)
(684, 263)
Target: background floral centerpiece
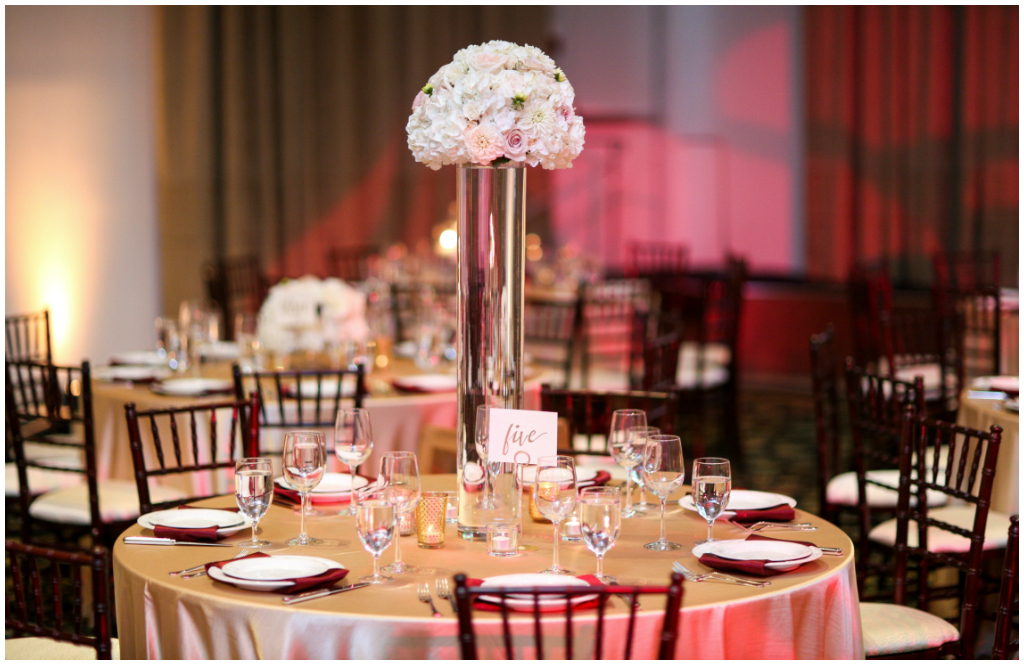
(496, 103)
(311, 314)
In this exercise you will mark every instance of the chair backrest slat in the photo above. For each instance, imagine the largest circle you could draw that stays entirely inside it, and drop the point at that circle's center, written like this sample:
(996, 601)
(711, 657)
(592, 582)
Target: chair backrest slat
(27, 337)
(1004, 646)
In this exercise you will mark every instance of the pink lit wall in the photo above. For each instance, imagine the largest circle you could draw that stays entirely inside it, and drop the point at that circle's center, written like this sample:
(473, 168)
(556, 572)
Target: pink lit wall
(694, 131)
(80, 211)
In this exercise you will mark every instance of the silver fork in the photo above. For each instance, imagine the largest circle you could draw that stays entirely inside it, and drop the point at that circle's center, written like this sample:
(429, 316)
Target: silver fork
(424, 593)
(200, 570)
(444, 591)
(694, 577)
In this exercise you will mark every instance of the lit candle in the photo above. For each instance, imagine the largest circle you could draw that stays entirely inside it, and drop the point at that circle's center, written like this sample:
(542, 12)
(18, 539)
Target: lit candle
(501, 543)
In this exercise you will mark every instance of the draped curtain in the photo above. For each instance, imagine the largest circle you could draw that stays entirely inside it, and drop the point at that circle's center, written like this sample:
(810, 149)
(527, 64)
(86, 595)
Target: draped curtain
(912, 136)
(282, 129)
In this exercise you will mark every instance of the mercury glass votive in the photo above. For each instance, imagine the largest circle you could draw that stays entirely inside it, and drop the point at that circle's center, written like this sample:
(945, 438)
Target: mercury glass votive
(430, 519)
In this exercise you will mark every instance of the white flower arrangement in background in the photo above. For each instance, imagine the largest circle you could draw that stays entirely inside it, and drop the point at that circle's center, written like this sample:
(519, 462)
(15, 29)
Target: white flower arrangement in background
(310, 314)
(496, 103)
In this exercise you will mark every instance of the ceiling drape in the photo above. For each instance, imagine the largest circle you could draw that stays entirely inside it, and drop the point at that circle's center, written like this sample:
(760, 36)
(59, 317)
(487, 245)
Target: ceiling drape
(913, 136)
(282, 129)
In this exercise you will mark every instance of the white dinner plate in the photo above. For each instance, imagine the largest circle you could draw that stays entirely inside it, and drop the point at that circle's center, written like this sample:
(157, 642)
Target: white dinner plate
(264, 585)
(128, 373)
(191, 386)
(426, 383)
(275, 568)
(759, 550)
(138, 358)
(226, 521)
(582, 475)
(220, 350)
(333, 487)
(705, 548)
(745, 500)
(1001, 383)
(532, 580)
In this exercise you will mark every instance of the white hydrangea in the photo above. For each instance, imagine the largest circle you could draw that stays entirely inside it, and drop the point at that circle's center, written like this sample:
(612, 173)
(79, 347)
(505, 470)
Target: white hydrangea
(496, 103)
(309, 313)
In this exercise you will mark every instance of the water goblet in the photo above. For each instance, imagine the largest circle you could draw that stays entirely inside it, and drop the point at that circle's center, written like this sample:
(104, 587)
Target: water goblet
(664, 473)
(353, 443)
(376, 525)
(712, 484)
(555, 493)
(399, 481)
(254, 490)
(305, 458)
(636, 473)
(601, 519)
(482, 439)
(626, 446)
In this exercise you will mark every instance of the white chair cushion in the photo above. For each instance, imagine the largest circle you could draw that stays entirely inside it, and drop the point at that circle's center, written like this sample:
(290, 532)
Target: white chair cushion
(119, 501)
(64, 457)
(842, 490)
(40, 481)
(713, 375)
(944, 541)
(43, 648)
(714, 354)
(892, 629)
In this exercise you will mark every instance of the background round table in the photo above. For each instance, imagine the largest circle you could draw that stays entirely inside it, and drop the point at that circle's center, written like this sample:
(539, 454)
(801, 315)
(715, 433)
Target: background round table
(808, 613)
(983, 414)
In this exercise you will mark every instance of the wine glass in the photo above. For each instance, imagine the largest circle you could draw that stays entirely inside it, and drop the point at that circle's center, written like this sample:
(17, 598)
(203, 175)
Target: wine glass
(554, 492)
(712, 484)
(664, 473)
(637, 475)
(626, 447)
(400, 484)
(305, 458)
(254, 490)
(601, 518)
(376, 525)
(353, 443)
(482, 439)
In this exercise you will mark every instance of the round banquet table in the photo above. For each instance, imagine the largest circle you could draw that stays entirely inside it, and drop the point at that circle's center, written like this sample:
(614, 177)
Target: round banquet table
(811, 612)
(982, 414)
(397, 420)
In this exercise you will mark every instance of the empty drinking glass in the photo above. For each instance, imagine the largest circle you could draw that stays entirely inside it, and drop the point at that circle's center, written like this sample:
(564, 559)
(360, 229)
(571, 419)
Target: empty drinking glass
(636, 473)
(625, 442)
(712, 484)
(664, 473)
(353, 443)
(305, 458)
(399, 480)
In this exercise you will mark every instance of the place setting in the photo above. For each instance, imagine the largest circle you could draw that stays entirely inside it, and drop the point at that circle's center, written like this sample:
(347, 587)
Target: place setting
(193, 387)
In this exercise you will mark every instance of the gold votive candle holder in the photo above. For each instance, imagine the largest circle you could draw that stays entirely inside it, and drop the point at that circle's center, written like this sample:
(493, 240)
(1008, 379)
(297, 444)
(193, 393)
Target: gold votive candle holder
(430, 519)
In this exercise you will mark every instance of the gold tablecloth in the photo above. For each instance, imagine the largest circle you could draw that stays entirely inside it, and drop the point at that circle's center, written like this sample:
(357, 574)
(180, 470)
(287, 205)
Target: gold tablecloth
(808, 613)
(983, 414)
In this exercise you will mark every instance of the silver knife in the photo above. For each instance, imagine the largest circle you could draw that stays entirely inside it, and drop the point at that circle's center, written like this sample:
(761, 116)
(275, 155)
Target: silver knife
(312, 595)
(148, 540)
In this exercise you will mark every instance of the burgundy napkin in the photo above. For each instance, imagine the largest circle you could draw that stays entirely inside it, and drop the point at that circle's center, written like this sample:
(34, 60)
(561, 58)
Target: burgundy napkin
(756, 567)
(289, 498)
(480, 604)
(780, 513)
(205, 535)
(323, 580)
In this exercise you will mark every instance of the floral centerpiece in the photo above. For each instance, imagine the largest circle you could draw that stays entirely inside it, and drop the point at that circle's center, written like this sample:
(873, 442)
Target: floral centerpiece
(496, 103)
(311, 314)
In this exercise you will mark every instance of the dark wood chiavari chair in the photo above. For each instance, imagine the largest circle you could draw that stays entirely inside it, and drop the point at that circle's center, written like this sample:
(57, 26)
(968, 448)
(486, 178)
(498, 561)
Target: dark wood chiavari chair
(588, 415)
(869, 297)
(237, 285)
(609, 310)
(875, 404)
(49, 601)
(350, 263)
(1006, 646)
(966, 298)
(825, 391)
(301, 399)
(27, 337)
(924, 535)
(466, 595)
(551, 329)
(187, 448)
(656, 259)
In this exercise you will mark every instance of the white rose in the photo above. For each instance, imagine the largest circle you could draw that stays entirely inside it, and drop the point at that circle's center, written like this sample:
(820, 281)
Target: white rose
(511, 83)
(488, 63)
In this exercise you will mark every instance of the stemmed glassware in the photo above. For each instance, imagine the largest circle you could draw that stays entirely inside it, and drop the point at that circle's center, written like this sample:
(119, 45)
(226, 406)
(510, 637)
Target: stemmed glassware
(664, 473)
(625, 442)
(353, 443)
(601, 519)
(712, 484)
(481, 439)
(637, 475)
(377, 526)
(400, 484)
(305, 458)
(254, 490)
(555, 493)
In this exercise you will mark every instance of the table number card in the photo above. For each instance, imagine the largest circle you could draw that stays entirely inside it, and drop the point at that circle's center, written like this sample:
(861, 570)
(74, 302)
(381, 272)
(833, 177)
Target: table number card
(521, 436)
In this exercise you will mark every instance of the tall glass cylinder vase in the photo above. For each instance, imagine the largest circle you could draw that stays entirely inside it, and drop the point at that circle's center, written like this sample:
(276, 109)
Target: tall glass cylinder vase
(492, 222)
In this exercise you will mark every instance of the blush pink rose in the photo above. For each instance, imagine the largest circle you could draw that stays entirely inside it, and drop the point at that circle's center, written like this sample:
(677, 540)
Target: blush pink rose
(488, 63)
(516, 145)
